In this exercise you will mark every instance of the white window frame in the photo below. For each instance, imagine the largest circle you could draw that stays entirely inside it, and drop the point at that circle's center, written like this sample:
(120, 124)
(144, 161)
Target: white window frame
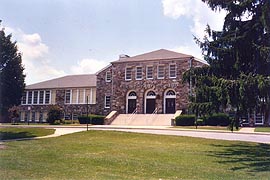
(35, 103)
(105, 103)
(23, 103)
(130, 74)
(175, 74)
(43, 98)
(147, 70)
(140, 78)
(158, 70)
(108, 78)
(31, 97)
(50, 92)
(70, 96)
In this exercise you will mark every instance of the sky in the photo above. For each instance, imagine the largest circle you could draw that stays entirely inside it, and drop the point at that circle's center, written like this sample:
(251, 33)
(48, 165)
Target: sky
(66, 37)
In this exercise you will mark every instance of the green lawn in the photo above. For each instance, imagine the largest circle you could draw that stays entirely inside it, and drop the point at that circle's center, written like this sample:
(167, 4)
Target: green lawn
(19, 132)
(262, 129)
(120, 155)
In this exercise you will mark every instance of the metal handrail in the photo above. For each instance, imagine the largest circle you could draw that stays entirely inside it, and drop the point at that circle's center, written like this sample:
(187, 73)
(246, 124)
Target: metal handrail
(132, 115)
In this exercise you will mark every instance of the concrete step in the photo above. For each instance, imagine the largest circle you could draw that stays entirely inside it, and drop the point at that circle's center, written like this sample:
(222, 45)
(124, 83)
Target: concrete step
(143, 119)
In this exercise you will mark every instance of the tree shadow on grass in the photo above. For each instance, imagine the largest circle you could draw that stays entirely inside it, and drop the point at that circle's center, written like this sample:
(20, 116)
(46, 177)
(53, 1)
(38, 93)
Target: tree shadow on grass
(253, 158)
(15, 135)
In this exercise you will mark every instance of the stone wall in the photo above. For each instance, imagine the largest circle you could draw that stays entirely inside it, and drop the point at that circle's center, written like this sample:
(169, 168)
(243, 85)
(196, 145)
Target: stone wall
(119, 87)
(103, 89)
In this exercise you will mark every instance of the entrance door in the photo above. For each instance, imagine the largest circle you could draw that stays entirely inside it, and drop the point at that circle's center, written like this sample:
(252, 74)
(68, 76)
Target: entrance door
(150, 106)
(170, 105)
(131, 105)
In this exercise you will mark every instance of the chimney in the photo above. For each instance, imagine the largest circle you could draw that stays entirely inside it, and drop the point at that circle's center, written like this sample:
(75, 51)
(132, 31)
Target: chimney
(123, 56)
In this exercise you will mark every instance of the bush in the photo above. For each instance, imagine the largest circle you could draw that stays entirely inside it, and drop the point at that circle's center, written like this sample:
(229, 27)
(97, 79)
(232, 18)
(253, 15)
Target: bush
(219, 119)
(92, 118)
(54, 114)
(185, 120)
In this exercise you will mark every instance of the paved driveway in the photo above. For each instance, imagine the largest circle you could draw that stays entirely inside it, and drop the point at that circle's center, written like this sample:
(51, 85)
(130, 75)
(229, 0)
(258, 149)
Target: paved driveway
(248, 137)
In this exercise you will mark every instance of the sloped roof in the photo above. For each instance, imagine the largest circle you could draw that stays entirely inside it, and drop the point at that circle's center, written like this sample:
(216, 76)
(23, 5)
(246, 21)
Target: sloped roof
(71, 81)
(161, 54)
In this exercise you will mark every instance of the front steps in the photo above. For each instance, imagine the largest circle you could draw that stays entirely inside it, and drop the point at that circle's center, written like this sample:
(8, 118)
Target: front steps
(143, 119)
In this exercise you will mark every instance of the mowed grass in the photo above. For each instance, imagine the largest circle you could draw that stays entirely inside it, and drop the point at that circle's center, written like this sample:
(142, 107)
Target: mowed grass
(120, 155)
(19, 132)
(262, 129)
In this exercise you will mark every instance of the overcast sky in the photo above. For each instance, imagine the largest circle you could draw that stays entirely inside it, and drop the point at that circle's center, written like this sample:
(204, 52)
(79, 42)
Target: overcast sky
(62, 37)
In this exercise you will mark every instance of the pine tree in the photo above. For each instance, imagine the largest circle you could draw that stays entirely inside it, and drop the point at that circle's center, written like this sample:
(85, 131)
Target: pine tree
(11, 75)
(238, 75)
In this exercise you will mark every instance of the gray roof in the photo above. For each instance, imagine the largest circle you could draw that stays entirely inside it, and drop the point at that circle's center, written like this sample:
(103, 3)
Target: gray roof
(161, 54)
(71, 81)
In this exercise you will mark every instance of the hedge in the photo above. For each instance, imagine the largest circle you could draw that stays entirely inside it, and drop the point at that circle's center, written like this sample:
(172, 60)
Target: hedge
(185, 120)
(92, 118)
(219, 119)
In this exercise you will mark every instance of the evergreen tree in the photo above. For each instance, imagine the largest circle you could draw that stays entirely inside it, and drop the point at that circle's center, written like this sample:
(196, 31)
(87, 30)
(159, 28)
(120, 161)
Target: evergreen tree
(11, 75)
(238, 75)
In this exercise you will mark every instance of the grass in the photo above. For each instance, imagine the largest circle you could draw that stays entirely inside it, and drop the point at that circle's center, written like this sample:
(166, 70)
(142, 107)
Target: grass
(120, 155)
(222, 128)
(262, 129)
(14, 132)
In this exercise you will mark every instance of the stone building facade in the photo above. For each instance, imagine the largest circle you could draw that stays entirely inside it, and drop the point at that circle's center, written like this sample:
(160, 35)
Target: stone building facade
(147, 83)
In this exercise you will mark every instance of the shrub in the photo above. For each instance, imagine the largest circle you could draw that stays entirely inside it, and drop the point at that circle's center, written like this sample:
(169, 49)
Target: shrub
(219, 119)
(54, 114)
(185, 120)
(92, 118)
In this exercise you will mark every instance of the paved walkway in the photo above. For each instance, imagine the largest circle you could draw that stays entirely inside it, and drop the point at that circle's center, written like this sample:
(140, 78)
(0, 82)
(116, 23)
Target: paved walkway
(247, 134)
(247, 130)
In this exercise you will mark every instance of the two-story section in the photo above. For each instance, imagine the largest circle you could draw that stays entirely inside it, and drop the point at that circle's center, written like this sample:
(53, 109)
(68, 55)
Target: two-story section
(145, 84)
(74, 94)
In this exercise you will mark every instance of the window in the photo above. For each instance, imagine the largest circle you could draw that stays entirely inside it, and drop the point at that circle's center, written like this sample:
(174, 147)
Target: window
(128, 73)
(161, 72)
(172, 71)
(108, 76)
(33, 118)
(47, 97)
(29, 100)
(41, 97)
(67, 96)
(41, 116)
(149, 73)
(138, 73)
(35, 99)
(23, 98)
(107, 101)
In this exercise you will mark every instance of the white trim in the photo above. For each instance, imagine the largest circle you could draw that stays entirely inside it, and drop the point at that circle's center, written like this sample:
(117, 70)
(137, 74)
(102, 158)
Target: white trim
(91, 96)
(126, 73)
(84, 90)
(77, 97)
(168, 96)
(137, 73)
(44, 95)
(160, 65)
(38, 97)
(130, 97)
(107, 107)
(106, 76)
(172, 77)
(148, 97)
(147, 72)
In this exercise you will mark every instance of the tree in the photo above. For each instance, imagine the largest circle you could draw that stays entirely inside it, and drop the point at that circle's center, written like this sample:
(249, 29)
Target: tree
(54, 114)
(238, 75)
(11, 75)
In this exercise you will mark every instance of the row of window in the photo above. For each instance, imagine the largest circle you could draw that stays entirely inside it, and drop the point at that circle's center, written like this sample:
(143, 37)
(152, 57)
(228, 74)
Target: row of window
(36, 97)
(149, 72)
(33, 116)
(80, 96)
